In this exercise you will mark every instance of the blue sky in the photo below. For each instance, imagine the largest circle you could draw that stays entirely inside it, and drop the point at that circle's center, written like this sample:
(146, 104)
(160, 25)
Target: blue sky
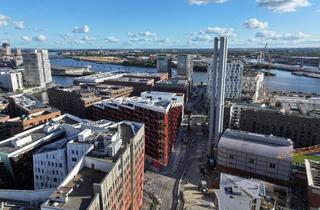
(159, 23)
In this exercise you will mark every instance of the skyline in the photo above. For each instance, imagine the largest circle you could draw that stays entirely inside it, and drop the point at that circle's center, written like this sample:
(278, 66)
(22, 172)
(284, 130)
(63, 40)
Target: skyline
(159, 24)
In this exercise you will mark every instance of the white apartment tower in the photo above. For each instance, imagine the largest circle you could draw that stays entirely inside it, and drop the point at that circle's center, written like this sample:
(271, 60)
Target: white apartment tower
(234, 75)
(37, 68)
(185, 66)
(217, 82)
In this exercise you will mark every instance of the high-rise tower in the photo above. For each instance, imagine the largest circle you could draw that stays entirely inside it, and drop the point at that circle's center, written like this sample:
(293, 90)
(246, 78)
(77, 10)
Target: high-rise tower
(217, 82)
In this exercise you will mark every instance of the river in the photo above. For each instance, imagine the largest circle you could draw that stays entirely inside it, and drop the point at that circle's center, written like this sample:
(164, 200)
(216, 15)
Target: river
(283, 81)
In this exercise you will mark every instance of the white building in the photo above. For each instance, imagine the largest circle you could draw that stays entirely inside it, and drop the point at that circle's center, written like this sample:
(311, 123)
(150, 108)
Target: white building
(10, 79)
(239, 193)
(37, 68)
(53, 162)
(255, 155)
(233, 79)
(185, 66)
(253, 85)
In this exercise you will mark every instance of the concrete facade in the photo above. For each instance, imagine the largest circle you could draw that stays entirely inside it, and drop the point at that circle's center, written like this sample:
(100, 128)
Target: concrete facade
(255, 155)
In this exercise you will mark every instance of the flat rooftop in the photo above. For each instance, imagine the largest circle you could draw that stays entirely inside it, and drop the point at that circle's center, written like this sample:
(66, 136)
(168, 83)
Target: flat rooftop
(237, 192)
(313, 173)
(81, 187)
(132, 102)
(262, 145)
(28, 102)
(173, 81)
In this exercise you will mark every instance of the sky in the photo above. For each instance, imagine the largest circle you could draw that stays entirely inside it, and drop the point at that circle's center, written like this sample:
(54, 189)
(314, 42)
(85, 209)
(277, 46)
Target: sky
(103, 24)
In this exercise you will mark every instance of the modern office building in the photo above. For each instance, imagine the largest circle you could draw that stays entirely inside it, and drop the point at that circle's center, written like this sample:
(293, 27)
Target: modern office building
(6, 49)
(74, 100)
(313, 189)
(185, 67)
(255, 155)
(217, 76)
(161, 113)
(110, 176)
(253, 85)
(11, 80)
(164, 64)
(296, 118)
(37, 69)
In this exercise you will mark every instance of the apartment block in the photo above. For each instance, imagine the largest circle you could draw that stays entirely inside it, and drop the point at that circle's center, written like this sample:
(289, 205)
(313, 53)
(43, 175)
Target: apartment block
(296, 118)
(174, 85)
(37, 70)
(252, 85)
(233, 80)
(185, 66)
(255, 155)
(110, 176)
(160, 112)
(164, 64)
(73, 100)
(108, 91)
(11, 80)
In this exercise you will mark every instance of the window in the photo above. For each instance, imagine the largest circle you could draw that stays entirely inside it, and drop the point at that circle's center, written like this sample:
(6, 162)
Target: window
(231, 156)
(74, 159)
(251, 161)
(272, 165)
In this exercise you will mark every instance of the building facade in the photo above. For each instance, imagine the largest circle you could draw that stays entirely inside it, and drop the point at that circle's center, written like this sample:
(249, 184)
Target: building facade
(253, 86)
(110, 176)
(73, 100)
(37, 70)
(255, 155)
(164, 65)
(313, 189)
(11, 80)
(161, 117)
(185, 66)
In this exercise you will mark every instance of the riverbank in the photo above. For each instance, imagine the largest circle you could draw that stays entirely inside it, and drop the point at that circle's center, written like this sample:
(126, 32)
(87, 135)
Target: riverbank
(306, 74)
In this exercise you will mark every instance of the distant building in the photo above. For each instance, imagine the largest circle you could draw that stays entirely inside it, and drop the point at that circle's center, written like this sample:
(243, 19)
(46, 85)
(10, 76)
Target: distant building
(73, 100)
(11, 80)
(161, 112)
(255, 155)
(37, 70)
(164, 65)
(252, 85)
(173, 85)
(109, 91)
(185, 66)
(313, 176)
(6, 49)
(233, 79)
(108, 177)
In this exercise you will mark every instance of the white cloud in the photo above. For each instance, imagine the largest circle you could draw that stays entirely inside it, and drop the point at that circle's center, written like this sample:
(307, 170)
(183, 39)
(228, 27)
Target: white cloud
(130, 34)
(3, 20)
(271, 35)
(26, 38)
(202, 38)
(220, 31)
(147, 34)
(283, 5)
(40, 38)
(89, 38)
(83, 29)
(203, 2)
(78, 42)
(18, 24)
(255, 24)
(112, 39)
(164, 40)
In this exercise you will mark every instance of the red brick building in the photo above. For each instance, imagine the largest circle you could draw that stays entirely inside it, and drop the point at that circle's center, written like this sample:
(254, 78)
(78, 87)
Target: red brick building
(160, 112)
